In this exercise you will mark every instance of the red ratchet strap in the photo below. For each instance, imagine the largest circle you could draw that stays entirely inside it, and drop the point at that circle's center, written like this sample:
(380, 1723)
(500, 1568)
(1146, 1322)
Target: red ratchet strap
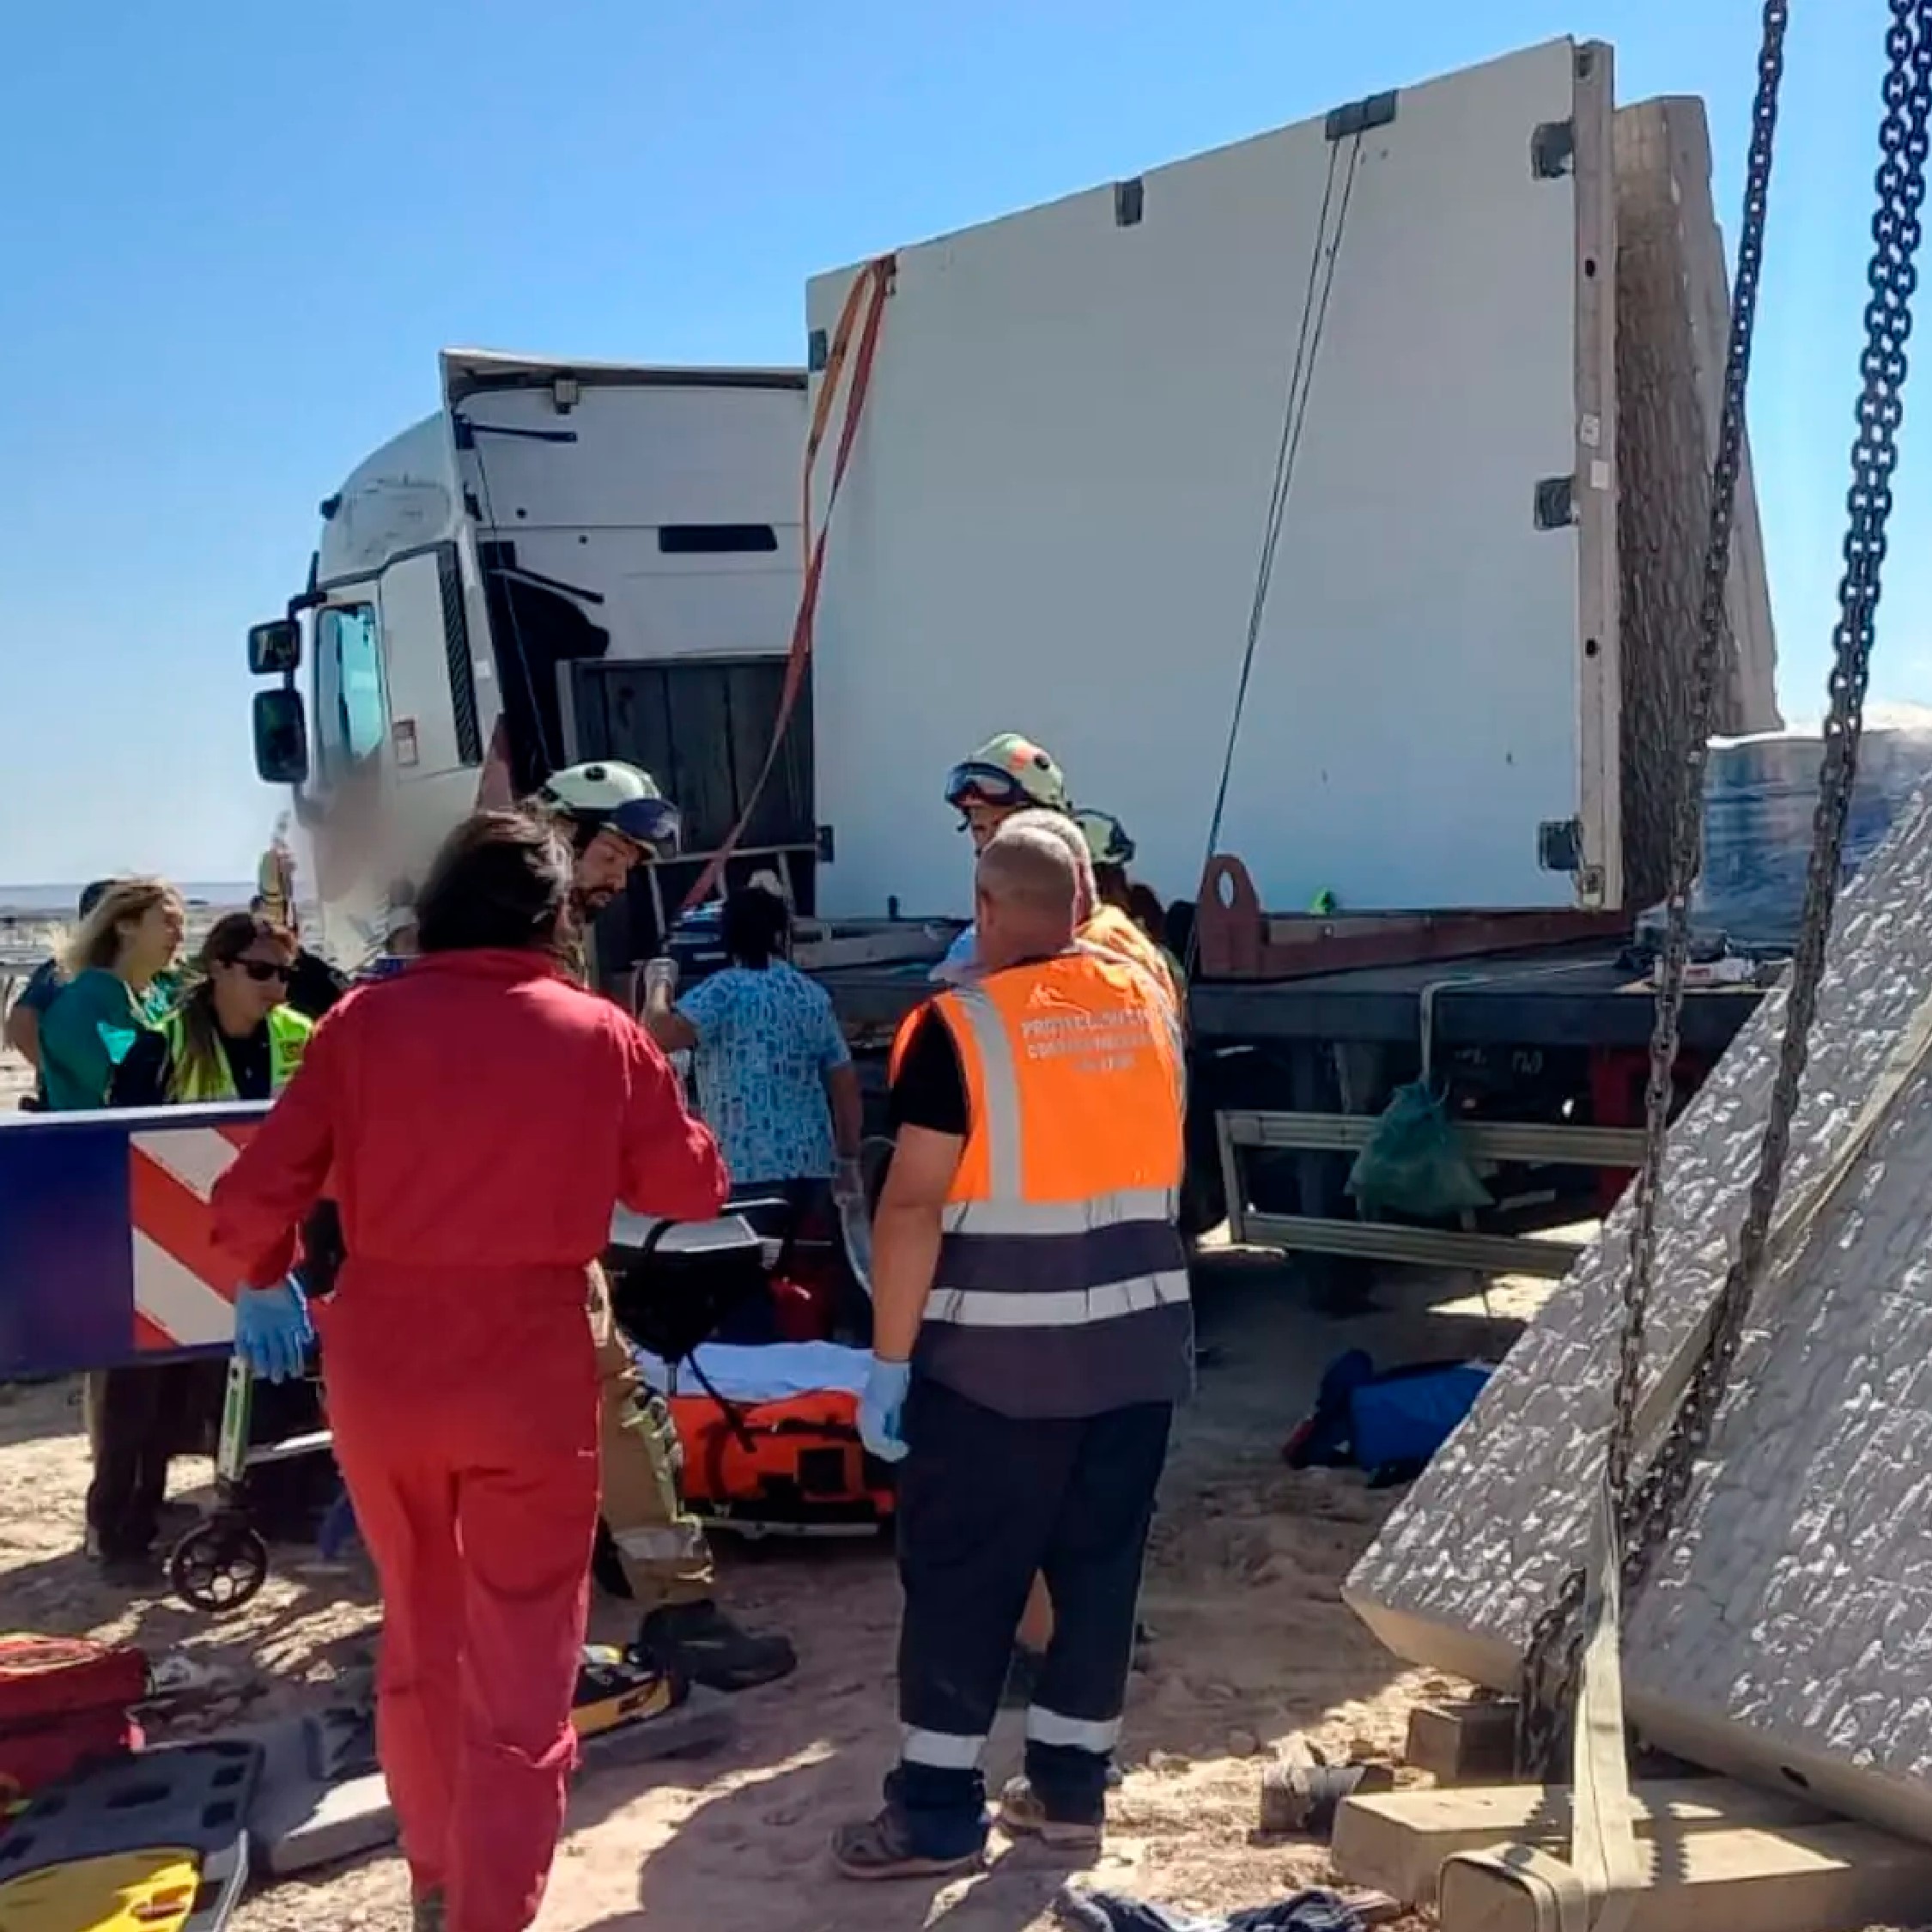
(867, 294)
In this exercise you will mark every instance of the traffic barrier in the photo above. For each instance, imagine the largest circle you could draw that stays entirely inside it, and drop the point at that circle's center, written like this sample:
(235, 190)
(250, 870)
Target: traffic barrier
(106, 1252)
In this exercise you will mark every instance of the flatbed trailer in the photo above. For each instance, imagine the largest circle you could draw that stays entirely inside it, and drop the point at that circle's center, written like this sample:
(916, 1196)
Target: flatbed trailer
(1543, 1054)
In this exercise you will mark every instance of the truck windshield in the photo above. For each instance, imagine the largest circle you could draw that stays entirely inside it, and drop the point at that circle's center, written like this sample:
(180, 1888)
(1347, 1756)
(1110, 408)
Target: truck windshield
(351, 716)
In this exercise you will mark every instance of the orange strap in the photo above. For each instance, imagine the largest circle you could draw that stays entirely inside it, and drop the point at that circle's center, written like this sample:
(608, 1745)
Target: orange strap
(868, 292)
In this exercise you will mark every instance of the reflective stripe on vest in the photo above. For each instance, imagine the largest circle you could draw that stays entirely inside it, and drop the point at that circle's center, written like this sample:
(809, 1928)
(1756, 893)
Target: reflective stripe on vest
(190, 1081)
(1078, 1229)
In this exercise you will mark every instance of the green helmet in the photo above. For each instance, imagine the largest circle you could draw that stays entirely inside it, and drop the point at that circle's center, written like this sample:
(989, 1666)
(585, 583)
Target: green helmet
(1008, 770)
(1108, 844)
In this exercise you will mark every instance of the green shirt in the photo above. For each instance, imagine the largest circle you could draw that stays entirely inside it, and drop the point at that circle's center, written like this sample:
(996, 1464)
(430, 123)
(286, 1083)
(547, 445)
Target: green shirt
(86, 1033)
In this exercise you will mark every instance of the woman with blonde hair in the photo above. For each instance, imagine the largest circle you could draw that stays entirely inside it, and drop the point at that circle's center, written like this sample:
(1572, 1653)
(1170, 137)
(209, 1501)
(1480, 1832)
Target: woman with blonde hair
(119, 984)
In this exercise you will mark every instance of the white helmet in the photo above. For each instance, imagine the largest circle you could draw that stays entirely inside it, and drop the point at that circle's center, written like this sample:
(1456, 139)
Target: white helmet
(608, 796)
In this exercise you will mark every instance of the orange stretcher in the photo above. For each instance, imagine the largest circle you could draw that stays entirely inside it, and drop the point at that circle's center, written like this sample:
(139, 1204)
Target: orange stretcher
(792, 1467)
(758, 1462)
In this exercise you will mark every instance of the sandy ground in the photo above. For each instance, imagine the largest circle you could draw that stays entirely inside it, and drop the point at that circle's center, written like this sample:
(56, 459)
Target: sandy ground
(1251, 1643)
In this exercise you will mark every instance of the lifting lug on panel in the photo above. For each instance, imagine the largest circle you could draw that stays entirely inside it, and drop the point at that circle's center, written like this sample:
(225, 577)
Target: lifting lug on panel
(1358, 116)
(1552, 150)
(1556, 502)
(1560, 846)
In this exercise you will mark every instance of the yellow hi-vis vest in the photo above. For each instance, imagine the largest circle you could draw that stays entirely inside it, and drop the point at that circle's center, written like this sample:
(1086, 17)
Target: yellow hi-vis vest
(191, 1081)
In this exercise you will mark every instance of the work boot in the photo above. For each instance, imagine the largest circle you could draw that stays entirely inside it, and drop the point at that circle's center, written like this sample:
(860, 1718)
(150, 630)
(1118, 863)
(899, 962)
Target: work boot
(1022, 1815)
(701, 1641)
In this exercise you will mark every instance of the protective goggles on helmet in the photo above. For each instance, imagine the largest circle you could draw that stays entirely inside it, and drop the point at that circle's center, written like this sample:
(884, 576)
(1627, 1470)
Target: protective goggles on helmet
(652, 823)
(1108, 844)
(977, 784)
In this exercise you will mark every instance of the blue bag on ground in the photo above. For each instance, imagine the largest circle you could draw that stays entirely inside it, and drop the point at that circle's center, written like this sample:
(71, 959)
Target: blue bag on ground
(1414, 1162)
(1406, 1416)
(1389, 1423)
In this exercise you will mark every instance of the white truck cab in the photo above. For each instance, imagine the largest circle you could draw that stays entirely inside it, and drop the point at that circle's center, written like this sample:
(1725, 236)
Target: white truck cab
(568, 561)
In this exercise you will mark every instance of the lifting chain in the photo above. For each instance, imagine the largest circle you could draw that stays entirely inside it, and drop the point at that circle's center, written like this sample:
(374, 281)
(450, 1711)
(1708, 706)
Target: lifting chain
(1645, 1514)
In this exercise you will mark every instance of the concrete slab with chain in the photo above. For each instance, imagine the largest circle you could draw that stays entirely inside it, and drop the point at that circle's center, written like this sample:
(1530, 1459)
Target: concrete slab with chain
(1608, 1879)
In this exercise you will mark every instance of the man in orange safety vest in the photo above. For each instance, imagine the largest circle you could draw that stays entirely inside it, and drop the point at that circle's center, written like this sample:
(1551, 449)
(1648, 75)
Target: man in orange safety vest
(1032, 1334)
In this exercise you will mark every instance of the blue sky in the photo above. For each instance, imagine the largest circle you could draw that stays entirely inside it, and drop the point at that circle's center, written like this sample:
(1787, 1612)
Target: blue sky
(235, 235)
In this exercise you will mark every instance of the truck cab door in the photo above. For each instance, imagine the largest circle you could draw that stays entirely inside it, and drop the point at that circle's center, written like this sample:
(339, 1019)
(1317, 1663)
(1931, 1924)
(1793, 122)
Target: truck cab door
(349, 810)
(397, 737)
(431, 720)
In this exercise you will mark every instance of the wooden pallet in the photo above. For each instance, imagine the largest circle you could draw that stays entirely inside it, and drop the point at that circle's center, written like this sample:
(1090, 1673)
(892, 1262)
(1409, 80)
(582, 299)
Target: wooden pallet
(1722, 1854)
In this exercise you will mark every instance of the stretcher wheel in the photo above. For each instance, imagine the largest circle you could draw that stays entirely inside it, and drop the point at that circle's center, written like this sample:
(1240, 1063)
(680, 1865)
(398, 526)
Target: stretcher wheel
(218, 1566)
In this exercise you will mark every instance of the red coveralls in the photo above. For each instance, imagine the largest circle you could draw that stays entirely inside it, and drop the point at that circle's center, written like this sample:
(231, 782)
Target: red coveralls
(476, 1118)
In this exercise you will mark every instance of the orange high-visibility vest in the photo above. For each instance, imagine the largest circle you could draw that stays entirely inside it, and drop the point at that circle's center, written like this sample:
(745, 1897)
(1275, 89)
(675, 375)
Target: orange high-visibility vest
(1115, 931)
(1062, 1287)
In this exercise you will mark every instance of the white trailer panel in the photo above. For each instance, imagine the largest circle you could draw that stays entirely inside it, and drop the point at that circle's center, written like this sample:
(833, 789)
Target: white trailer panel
(1058, 499)
(586, 492)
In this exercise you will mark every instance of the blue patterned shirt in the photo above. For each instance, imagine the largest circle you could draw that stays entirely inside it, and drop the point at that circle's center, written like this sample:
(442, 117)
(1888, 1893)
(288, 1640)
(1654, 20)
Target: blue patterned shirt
(765, 1042)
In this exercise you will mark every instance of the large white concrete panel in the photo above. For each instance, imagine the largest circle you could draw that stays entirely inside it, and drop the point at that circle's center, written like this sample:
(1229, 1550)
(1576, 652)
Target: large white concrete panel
(1057, 505)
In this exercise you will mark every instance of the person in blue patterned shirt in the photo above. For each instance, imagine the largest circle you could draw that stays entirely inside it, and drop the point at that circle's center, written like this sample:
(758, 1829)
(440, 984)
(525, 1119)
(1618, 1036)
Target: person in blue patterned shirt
(773, 1076)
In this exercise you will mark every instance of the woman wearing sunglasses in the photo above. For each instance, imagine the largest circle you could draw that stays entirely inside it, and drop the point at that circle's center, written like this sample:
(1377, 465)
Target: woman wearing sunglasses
(232, 1036)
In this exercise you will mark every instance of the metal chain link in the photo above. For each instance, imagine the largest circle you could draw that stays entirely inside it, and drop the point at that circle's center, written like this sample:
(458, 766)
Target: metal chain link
(1645, 1519)
(1549, 1670)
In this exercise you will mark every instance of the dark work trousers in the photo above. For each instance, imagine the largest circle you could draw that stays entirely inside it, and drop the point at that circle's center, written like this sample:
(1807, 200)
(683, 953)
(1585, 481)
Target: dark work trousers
(985, 1502)
(139, 1419)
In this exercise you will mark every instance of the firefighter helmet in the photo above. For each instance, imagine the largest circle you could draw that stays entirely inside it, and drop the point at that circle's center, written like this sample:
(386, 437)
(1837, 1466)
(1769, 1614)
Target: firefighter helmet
(1008, 770)
(608, 796)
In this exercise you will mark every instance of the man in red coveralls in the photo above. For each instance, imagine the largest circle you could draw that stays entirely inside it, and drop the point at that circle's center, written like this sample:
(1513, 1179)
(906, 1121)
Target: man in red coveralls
(476, 1118)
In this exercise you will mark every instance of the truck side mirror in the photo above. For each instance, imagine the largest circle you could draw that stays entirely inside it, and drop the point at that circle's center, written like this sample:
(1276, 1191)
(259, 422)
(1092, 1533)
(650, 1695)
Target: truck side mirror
(275, 649)
(281, 736)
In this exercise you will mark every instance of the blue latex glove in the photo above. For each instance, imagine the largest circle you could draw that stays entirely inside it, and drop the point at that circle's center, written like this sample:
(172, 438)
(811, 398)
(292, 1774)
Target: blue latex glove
(273, 1331)
(881, 1407)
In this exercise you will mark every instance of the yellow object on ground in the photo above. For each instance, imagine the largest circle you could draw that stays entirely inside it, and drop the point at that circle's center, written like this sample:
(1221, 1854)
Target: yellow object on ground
(129, 1892)
(612, 1691)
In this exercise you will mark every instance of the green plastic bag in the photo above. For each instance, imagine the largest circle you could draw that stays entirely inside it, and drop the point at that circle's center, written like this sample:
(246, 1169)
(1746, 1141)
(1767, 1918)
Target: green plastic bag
(1413, 1163)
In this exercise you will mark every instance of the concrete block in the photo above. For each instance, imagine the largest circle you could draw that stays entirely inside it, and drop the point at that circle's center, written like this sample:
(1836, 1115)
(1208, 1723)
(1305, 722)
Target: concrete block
(1787, 1635)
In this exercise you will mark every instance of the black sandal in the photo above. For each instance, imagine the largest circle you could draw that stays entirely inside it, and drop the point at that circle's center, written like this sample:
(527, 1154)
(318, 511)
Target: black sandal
(877, 1848)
